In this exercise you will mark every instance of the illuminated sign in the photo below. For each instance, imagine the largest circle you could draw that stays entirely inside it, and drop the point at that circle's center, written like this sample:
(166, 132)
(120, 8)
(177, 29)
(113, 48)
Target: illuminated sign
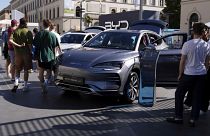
(119, 25)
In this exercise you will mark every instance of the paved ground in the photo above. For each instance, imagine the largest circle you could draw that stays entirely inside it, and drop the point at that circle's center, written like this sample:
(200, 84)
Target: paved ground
(60, 114)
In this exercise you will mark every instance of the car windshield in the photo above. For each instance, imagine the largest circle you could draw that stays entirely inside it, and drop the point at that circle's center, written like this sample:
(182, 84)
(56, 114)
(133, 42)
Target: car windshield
(114, 40)
(72, 38)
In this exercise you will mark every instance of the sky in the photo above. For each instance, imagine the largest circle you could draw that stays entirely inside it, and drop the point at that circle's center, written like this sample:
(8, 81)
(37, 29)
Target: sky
(4, 4)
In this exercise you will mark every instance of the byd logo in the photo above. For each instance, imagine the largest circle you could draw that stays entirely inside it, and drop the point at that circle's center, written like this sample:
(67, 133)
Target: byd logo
(119, 25)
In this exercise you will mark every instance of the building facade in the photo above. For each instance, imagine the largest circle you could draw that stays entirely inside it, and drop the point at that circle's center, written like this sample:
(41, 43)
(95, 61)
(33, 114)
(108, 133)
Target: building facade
(63, 12)
(5, 13)
(194, 11)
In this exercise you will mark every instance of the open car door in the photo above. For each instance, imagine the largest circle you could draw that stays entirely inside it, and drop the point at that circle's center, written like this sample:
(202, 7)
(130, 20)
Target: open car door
(170, 54)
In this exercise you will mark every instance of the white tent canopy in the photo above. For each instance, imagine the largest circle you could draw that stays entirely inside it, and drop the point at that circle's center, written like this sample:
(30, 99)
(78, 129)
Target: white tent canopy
(5, 22)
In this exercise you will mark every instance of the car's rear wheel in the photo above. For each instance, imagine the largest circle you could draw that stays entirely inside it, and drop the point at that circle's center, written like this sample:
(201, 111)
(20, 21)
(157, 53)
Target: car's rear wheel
(131, 89)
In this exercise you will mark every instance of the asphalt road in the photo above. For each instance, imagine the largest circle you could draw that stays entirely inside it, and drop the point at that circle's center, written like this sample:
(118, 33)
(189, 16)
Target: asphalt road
(66, 114)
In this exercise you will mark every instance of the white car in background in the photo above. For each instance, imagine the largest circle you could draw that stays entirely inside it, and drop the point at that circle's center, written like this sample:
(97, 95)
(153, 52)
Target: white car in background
(73, 40)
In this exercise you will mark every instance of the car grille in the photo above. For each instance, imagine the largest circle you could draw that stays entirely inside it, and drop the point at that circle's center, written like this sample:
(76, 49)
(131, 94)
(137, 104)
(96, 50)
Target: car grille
(111, 80)
(112, 77)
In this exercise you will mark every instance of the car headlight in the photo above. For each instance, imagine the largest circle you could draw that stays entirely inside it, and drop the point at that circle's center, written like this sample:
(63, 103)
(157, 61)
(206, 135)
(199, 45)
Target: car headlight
(112, 65)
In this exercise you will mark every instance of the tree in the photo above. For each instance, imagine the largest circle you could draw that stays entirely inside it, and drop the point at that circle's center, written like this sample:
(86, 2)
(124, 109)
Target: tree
(171, 13)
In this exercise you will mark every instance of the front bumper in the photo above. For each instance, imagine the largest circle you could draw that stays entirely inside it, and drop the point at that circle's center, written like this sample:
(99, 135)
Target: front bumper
(89, 80)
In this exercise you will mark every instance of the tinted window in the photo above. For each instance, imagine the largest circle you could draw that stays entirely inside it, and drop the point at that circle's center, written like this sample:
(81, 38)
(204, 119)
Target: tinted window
(114, 40)
(88, 38)
(154, 39)
(72, 38)
(174, 42)
(143, 42)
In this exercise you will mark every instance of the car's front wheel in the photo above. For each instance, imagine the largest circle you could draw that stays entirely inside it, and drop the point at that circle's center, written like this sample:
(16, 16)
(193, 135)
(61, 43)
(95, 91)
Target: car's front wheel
(131, 89)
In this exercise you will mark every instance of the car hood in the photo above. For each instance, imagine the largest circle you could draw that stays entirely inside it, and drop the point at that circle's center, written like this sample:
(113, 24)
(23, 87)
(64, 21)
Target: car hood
(65, 46)
(90, 56)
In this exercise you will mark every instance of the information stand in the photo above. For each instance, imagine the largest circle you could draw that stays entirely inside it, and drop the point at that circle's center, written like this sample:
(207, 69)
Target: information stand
(147, 92)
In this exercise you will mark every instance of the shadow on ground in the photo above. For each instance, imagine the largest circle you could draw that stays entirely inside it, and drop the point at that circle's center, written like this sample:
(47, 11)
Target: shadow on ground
(123, 121)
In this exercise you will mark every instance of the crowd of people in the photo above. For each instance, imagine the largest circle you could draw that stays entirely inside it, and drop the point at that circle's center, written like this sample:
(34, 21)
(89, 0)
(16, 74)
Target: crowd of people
(22, 47)
(194, 76)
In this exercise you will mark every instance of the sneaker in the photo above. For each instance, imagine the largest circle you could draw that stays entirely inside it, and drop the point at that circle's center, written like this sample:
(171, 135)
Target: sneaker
(9, 75)
(44, 88)
(25, 88)
(30, 71)
(14, 89)
(202, 112)
(191, 123)
(187, 107)
(12, 80)
(175, 120)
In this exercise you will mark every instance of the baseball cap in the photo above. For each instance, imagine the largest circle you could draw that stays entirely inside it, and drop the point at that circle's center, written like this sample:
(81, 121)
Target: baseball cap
(14, 22)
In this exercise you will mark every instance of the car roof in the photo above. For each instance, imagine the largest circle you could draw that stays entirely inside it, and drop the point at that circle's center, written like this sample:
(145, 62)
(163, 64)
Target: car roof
(78, 33)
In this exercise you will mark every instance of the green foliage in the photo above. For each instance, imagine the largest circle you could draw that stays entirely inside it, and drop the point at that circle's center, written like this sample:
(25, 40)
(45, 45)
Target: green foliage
(172, 10)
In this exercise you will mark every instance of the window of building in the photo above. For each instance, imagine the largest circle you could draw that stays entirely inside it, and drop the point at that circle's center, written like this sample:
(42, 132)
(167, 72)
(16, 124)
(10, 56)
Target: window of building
(47, 14)
(145, 2)
(161, 3)
(58, 12)
(193, 19)
(57, 28)
(53, 12)
(40, 16)
(152, 2)
(50, 14)
(113, 10)
(123, 10)
(124, 1)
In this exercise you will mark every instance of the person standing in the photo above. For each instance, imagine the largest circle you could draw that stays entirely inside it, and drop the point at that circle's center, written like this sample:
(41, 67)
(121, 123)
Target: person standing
(45, 43)
(206, 95)
(11, 51)
(5, 53)
(58, 51)
(22, 39)
(35, 66)
(192, 72)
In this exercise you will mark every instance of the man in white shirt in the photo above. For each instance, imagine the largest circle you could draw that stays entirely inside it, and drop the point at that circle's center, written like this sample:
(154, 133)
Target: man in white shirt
(192, 74)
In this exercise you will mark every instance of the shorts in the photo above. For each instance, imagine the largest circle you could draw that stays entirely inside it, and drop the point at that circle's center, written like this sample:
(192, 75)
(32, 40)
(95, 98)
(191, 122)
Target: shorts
(12, 56)
(46, 65)
(23, 61)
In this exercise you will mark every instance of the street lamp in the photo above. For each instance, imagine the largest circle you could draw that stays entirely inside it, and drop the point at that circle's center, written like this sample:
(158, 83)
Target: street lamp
(140, 9)
(81, 9)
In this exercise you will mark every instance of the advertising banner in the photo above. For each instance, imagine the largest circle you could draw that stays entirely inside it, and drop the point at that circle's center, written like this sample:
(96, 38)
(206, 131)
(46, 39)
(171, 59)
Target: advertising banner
(69, 8)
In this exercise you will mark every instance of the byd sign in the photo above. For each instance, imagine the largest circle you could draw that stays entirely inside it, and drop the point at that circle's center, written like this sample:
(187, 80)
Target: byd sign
(119, 25)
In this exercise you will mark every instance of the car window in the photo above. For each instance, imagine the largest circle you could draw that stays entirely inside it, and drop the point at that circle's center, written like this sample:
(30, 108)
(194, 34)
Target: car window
(114, 40)
(88, 38)
(174, 42)
(154, 39)
(143, 42)
(72, 38)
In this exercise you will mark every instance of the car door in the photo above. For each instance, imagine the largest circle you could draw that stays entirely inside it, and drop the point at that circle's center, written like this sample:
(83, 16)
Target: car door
(169, 58)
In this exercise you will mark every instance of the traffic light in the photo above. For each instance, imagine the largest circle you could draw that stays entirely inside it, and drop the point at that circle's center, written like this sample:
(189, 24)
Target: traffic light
(78, 11)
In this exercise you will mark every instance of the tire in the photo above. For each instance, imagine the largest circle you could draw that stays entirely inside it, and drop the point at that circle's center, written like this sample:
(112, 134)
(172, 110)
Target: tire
(131, 89)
